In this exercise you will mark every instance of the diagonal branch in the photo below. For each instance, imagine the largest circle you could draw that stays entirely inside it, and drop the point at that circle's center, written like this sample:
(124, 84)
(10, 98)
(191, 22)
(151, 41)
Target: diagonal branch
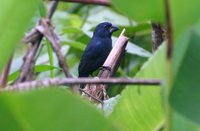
(4, 76)
(112, 63)
(34, 38)
(47, 30)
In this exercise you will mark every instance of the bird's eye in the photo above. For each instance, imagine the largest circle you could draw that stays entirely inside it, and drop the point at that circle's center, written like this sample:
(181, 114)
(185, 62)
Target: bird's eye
(106, 27)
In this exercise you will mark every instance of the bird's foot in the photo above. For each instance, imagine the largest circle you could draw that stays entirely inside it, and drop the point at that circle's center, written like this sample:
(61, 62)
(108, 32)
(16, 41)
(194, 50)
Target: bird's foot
(106, 68)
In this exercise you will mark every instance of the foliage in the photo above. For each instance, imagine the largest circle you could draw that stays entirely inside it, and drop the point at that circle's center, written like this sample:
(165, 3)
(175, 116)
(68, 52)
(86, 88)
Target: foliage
(10, 27)
(50, 109)
(139, 107)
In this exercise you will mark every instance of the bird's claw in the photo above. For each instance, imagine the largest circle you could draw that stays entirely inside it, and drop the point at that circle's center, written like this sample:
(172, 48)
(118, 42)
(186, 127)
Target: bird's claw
(106, 68)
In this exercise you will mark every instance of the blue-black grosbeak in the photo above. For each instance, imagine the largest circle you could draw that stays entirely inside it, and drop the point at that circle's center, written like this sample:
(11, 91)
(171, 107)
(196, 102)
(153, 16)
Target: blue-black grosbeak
(97, 50)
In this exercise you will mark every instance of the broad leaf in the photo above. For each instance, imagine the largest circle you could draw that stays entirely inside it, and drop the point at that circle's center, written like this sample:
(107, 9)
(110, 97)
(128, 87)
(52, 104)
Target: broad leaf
(49, 110)
(184, 14)
(14, 18)
(140, 107)
(185, 97)
(180, 123)
(142, 10)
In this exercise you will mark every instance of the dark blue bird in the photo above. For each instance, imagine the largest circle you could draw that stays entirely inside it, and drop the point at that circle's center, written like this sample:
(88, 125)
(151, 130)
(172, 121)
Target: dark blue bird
(97, 50)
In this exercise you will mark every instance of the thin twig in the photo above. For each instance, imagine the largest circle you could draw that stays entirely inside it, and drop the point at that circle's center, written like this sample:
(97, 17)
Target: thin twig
(112, 63)
(169, 30)
(71, 81)
(4, 76)
(52, 9)
(35, 39)
(98, 2)
(47, 30)
(169, 66)
(27, 66)
(93, 97)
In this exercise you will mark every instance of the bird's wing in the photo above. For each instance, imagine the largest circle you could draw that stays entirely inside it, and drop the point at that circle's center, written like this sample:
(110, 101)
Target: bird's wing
(91, 53)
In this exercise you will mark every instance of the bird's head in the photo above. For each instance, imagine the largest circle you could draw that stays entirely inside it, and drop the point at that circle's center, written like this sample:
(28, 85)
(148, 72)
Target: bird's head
(105, 29)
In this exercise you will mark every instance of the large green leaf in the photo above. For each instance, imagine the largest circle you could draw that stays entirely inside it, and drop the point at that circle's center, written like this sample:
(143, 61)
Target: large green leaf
(180, 123)
(185, 97)
(49, 110)
(140, 107)
(14, 17)
(142, 10)
(184, 14)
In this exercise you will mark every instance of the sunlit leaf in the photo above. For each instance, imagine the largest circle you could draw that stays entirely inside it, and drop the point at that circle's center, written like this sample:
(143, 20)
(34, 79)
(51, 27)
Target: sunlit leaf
(140, 107)
(38, 68)
(142, 10)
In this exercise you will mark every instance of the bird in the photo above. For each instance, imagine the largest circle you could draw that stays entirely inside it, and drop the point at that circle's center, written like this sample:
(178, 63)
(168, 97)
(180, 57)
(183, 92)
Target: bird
(97, 49)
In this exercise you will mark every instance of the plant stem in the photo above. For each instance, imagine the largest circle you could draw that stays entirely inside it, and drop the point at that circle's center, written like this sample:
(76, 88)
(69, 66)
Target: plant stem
(169, 66)
(4, 76)
(74, 81)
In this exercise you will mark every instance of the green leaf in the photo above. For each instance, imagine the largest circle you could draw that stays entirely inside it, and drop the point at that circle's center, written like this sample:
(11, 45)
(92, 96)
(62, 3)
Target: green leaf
(184, 14)
(13, 76)
(140, 107)
(43, 68)
(42, 9)
(69, 30)
(74, 44)
(49, 110)
(51, 59)
(142, 10)
(185, 97)
(180, 123)
(38, 68)
(14, 18)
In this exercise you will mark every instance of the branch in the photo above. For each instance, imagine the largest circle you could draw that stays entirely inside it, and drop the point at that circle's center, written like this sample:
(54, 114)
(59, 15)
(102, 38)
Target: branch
(47, 30)
(113, 60)
(4, 76)
(98, 2)
(158, 36)
(29, 62)
(34, 38)
(169, 30)
(169, 66)
(69, 81)
(112, 63)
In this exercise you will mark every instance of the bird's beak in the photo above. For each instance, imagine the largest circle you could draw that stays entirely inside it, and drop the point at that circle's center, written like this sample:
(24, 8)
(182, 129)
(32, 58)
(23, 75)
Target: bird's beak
(113, 28)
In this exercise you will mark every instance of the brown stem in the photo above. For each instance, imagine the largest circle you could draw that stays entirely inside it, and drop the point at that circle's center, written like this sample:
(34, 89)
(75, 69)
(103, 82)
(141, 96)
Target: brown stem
(46, 29)
(93, 97)
(169, 67)
(98, 2)
(34, 38)
(69, 81)
(29, 62)
(158, 36)
(112, 63)
(169, 30)
(52, 9)
(4, 76)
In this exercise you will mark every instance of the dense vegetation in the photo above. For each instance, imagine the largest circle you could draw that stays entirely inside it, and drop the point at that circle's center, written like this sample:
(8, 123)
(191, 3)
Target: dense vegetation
(172, 106)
